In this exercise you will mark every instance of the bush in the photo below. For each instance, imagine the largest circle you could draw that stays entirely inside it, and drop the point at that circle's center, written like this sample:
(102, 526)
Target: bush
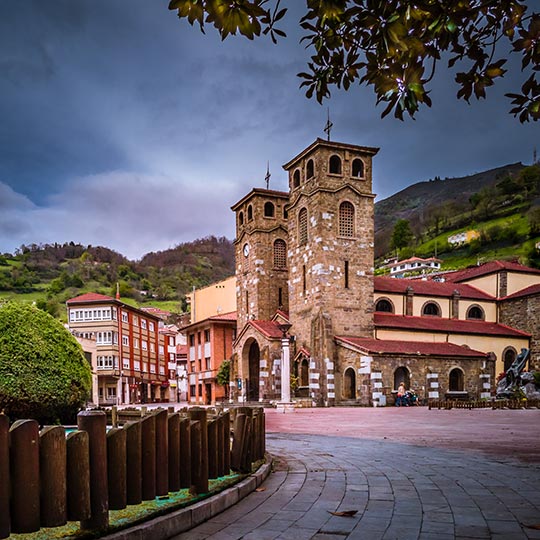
(43, 372)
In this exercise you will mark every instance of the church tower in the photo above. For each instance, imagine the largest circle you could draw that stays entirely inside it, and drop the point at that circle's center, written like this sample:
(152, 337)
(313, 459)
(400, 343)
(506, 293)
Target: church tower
(261, 255)
(331, 235)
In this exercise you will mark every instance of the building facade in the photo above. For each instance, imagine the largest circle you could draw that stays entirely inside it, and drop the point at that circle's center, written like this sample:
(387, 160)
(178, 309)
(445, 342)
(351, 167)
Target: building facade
(304, 277)
(130, 355)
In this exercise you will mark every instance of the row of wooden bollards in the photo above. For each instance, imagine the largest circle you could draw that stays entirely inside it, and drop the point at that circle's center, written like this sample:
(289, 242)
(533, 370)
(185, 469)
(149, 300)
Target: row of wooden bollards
(485, 404)
(47, 479)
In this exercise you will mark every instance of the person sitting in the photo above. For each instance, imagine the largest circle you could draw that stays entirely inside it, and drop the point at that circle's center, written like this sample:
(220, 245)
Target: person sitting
(400, 395)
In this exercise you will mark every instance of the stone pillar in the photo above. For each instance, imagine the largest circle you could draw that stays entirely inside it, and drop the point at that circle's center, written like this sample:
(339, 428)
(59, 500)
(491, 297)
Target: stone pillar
(433, 385)
(503, 284)
(454, 308)
(285, 405)
(409, 295)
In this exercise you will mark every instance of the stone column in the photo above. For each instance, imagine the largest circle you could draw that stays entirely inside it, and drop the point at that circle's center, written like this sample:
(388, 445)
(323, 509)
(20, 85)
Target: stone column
(285, 405)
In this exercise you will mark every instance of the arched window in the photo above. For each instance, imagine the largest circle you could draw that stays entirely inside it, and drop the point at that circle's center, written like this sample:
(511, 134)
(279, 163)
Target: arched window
(269, 209)
(296, 178)
(475, 312)
(432, 309)
(357, 168)
(402, 375)
(285, 213)
(349, 384)
(302, 227)
(250, 213)
(310, 169)
(346, 219)
(241, 218)
(384, 306)
(455, 380)
(335, 165)
(509, 356)
(280, 254)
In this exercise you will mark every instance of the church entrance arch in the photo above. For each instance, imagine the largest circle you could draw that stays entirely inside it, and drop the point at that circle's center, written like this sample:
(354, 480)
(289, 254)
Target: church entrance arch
(252, 382)
(349, 384)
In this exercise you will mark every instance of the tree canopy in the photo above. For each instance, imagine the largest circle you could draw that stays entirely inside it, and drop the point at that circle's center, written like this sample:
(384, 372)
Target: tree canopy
(395, 46)
(402, 234)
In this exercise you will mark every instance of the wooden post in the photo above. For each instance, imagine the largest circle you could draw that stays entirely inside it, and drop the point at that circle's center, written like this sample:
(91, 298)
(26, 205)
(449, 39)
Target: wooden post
(116, 468)
(95, 424)
(237, 443)
(5, 522)
(24, 460)
(185, 453)
(226, 443)
(199, 414)
(263, 433)
(133, 462)
(212, 449)
(197, 486)
(78, 476)
(148, 446)
(247, 446)
(52, 472)
(249, 412)
(162, 453)
(220, 447)
(174, 452)
(114, 416)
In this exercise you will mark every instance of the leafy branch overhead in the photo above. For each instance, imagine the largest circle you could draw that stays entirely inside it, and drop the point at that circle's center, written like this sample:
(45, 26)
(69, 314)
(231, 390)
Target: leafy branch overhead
(395, 46)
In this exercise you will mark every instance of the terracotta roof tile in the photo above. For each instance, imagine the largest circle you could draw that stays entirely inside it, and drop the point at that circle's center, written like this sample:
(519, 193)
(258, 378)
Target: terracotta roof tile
(488, 268)
(224, 316)
(385, 284)
(269, 328)
(422, 348)
(438, 324)
(91, 297)
(528, 291)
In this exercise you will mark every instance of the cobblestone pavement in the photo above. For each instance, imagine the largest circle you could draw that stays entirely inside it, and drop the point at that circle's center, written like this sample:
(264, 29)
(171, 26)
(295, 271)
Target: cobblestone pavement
(399, 491)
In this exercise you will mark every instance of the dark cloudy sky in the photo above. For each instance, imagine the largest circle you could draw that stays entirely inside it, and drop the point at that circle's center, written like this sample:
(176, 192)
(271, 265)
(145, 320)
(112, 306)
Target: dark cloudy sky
(122, 126)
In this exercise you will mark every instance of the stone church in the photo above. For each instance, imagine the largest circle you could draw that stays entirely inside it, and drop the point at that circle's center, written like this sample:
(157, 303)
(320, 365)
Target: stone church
(304, 274)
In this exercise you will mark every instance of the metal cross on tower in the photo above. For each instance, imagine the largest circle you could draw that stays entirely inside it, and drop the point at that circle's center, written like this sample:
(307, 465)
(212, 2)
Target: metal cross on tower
(329, 125)
(268, 175)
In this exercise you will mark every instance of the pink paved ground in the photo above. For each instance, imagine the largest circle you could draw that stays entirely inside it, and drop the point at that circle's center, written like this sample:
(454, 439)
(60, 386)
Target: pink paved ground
(510, 433)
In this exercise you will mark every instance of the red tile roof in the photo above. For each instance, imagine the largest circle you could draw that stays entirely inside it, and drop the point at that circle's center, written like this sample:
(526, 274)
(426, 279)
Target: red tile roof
(91, 297)
(488, 268)
(385, 284)
(156, 311)
(269, 328)
(416, 259)
(438, 324)
(528, 291)
(224, 317)
(421, 348)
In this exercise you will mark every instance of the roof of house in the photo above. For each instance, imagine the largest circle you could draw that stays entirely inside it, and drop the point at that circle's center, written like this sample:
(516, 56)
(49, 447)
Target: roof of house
(222, 317)
(528, 291)
(438, 324)
(488, 268)
(270, 329)
(91, 297)
(156, 311)
(384, 284)
(415, 259)
(420, 348)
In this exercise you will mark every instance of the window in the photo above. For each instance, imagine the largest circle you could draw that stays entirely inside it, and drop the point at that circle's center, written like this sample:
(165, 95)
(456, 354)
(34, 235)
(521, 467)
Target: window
(431, 309)
(79, 315)
(402, 375)
(192, 393)
(143, 324)
(152, 347)
(455, 380)
(296, 178)
(250, 213)
(136, 365)
(384, 306)
(111, 392)
(125, 363)
(335, 165)
(136, 343)
(144, 345)
(310, 169)
(105, 338)
(346, 219)
(509, 357)
(192, 340)
(304, 278)
(280, 254)
(106, 362)
(475, 312)
(151, 326)
(269, 209)
(135, 320)
(280, 298)
(357, 168)
(241, 218)
(302, 227)
(125, 341)
(207, 336)
(125, 317)
(207, 364)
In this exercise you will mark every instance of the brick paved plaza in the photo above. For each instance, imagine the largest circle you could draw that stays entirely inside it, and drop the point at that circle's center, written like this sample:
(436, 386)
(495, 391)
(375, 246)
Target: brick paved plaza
(409, 473)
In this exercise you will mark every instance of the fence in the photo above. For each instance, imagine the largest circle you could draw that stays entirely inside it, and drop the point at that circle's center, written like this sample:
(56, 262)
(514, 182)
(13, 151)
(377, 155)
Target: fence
(485, 404)
(48, 478)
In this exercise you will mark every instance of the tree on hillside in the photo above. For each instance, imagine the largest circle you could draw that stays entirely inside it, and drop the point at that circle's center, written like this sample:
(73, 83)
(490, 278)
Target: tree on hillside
(395, 46)
(402, 234)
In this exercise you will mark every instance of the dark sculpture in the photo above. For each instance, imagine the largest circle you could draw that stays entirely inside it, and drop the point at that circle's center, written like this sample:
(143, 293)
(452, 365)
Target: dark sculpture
(511, 383)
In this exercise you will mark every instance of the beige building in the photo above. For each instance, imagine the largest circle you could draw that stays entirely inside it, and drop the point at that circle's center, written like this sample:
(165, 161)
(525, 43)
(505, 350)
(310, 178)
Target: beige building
(216, 299)
(304, 282)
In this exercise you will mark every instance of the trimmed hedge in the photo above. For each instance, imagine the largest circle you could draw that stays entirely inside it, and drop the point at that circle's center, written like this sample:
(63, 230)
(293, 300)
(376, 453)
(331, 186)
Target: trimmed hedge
(43, 372)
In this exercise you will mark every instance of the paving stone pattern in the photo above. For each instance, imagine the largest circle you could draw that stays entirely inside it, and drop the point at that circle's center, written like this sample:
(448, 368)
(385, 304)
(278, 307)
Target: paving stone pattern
(400, 492)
